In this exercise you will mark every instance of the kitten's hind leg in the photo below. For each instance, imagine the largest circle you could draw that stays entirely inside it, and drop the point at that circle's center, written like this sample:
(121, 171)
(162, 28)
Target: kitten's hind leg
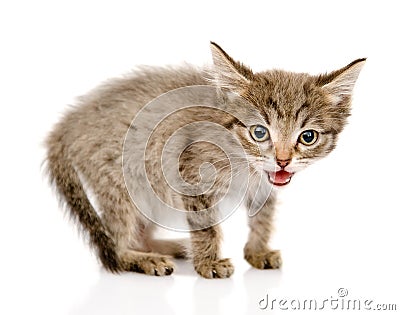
(148, 263)
(127, 228)
(177, 248)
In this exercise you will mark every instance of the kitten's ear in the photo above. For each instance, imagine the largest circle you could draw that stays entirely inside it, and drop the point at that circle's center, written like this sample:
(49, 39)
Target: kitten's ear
(339, 84)
(227, 73)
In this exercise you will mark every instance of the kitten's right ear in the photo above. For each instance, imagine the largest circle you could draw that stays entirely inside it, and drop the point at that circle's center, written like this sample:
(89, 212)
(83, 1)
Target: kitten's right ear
(339, 84)
(227, 73)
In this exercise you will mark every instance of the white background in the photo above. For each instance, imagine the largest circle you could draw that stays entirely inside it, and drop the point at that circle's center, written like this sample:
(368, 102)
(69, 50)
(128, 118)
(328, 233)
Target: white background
(338, 222)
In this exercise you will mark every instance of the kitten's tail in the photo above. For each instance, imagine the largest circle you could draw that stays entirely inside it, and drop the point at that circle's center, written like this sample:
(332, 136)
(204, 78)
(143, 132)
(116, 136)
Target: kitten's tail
(69, 186)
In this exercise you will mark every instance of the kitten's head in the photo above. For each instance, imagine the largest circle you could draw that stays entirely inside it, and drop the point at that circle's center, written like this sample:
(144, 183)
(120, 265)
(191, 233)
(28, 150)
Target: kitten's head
(301, 115)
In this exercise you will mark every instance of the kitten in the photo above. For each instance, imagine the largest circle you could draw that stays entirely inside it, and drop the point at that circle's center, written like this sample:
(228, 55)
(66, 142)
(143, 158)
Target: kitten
(253, 128)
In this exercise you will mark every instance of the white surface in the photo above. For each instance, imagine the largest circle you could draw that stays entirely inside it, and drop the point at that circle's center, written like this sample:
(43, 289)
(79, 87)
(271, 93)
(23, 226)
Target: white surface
(338, 221)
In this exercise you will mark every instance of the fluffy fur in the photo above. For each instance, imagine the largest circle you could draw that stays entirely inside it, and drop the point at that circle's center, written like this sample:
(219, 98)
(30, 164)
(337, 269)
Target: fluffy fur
(85, 150)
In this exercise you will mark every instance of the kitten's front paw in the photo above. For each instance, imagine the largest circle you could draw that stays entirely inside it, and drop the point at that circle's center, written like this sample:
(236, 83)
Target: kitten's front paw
(264, 260)
(222, 268)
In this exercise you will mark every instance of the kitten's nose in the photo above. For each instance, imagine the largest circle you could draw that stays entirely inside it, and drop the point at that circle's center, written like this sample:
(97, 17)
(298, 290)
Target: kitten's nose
(283, 163)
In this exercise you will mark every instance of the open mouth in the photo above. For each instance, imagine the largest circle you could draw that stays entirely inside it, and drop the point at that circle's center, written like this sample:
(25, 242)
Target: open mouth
(280, 178)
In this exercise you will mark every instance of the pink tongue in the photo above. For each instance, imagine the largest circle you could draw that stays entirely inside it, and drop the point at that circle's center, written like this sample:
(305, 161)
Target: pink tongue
(281, 177)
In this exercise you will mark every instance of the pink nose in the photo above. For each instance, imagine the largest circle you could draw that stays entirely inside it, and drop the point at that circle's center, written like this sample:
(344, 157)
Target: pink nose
(283, 163)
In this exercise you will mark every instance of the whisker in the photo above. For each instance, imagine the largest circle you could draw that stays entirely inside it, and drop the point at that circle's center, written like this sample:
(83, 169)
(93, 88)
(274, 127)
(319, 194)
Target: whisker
(231, 177)
(234, 165)
(224, 159)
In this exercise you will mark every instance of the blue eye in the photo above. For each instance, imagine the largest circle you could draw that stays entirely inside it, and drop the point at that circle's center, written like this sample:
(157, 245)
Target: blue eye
(259, 133)
(308, 137)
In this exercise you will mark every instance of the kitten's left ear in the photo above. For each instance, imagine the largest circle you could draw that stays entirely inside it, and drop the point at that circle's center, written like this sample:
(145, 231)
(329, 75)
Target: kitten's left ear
(227, 73)
(339, 84)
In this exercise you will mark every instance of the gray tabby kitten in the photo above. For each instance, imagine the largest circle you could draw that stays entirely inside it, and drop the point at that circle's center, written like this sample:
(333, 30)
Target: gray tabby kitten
(282, 122)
